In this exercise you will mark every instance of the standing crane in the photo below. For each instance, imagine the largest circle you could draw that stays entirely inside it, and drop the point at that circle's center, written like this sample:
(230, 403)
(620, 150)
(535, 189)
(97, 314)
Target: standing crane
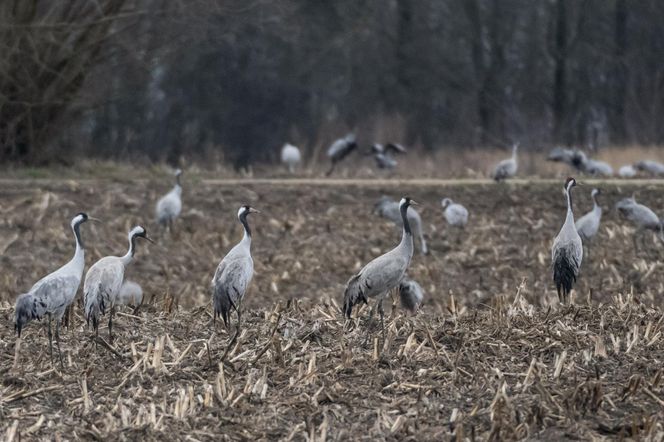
(103, 282)
(169, 206)
(455, 213)
(588, 224)
(291, 157)
(51, 295)
(506, 168)
(642, 217)
(234, 273)
(382, 274)
(339, 150)
(389, 209)
(567, 250)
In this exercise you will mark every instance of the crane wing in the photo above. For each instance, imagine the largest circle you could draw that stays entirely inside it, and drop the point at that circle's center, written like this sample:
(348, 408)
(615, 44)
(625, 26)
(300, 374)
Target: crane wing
(55, 292)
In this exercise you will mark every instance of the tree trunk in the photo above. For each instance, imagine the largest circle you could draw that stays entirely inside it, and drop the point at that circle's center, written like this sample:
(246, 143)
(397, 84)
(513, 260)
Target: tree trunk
(472, 8)
(618, 135)
(560, 133)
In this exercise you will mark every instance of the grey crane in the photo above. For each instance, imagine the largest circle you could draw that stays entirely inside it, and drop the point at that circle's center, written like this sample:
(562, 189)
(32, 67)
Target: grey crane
(641, 216)
(589, 166)
(103, 282)
(385, 161)
(627, 171)
(567, 250)
(169, 206)
(51, 295)
(596, 167)
(561, 155)
(651, 167)
(588, 224)
(506, 168)
(291, 157)
(339, 150)
(384, 273)
(234, 273)
(455, 213)
(381, 154)
(131, 293)
(389, 209)
(411, 294)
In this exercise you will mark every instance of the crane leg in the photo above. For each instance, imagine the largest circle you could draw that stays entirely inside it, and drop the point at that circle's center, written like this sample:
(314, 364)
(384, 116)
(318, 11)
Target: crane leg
(636, 246)
(371, 313)
(382, 316)
(110, 325)
(331, 169)
(50, 337)
(57, 337)
(238, 310)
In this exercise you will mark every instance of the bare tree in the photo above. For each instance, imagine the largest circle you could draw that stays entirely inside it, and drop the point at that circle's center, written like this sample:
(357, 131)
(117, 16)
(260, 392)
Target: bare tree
(48, 48)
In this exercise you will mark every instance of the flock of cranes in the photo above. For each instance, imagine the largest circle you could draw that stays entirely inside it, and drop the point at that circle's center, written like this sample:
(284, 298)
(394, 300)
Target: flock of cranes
(580, 162)
(384, 156)
(105, 286)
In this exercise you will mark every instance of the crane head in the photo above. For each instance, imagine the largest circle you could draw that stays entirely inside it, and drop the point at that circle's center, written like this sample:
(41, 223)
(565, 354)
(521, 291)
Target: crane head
(139, 232)
(79, 219)
(407, 201)
(25, 312)
(569, 183)
(246, 210)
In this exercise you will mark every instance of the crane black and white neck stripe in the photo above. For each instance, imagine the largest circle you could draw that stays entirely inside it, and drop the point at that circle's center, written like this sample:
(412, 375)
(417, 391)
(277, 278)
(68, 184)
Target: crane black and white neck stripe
(234, 273)
(567, 250)
(389, 209)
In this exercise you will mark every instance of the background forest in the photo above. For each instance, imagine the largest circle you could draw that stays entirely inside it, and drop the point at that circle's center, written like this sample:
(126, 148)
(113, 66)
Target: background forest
(127, 79)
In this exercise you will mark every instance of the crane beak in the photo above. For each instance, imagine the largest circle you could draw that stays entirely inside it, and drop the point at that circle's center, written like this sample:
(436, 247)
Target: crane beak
(95, 220)
(147, 239)
(252, 210)
(414, 203)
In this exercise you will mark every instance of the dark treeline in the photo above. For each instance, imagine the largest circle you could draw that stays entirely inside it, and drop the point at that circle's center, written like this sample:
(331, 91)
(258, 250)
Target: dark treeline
(162, 79)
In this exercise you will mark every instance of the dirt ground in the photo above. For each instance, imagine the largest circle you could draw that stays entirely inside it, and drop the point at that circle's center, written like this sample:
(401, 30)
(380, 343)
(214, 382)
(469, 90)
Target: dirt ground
(491, 354)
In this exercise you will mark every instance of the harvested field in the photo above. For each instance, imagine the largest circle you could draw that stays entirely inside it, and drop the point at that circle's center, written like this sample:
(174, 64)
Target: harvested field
(490, 355)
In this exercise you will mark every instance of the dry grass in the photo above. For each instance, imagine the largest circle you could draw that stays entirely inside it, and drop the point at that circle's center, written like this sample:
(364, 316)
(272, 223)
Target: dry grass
(443, 163)
(490, 356)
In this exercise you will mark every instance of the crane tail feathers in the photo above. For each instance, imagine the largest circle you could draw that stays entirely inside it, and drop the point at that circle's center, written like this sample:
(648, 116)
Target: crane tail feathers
(222, 305)
(28, 308)
(95, 306)
(353, 296)
(565, 270)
